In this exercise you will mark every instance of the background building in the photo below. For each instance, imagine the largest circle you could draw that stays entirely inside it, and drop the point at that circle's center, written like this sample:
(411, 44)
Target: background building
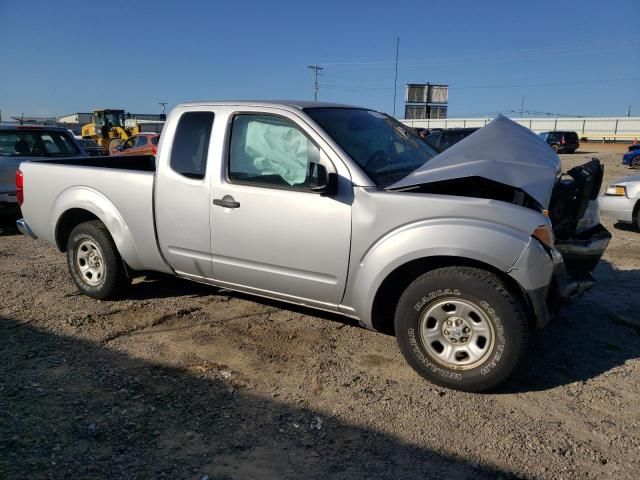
(425, 100)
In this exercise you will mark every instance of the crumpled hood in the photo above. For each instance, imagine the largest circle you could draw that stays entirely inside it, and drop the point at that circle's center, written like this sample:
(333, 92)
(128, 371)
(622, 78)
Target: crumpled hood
(504, 152)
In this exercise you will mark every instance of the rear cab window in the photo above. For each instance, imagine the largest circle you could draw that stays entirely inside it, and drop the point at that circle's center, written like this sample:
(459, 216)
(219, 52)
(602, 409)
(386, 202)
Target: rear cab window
(191, 144)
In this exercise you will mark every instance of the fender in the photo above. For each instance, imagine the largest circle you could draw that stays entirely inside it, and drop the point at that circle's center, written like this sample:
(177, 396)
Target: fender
(487, 242)
(89, 199)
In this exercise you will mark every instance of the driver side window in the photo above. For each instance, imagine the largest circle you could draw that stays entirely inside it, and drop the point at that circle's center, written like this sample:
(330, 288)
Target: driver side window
(270, 151)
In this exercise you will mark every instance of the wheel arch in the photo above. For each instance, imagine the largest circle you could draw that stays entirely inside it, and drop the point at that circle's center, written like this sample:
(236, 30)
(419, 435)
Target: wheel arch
(636, 213)
(395, 283)
(81, 204)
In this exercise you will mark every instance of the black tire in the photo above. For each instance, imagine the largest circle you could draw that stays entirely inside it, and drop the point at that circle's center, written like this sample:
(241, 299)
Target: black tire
(492, 307)
(105, 274)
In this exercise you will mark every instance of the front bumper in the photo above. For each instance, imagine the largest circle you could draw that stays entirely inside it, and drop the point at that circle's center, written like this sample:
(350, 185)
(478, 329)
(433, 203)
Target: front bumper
(542, 276)
(551, 277)
(24, 228)
(582, 253)
(619, 207)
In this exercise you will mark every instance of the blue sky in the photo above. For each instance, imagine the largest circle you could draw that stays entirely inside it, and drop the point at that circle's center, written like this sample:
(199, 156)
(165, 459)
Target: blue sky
(569, 57)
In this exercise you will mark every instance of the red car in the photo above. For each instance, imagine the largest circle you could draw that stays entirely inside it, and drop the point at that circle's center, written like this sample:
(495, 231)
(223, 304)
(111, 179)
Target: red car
(141, 144)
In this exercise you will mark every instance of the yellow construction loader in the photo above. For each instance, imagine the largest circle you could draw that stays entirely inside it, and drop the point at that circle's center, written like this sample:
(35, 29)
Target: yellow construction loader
(107, 125)
(111, 127)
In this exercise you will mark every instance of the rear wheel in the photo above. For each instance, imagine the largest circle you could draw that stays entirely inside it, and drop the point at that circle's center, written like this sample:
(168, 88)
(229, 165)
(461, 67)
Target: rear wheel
(94, 262)
(461, 328)
(635, 162)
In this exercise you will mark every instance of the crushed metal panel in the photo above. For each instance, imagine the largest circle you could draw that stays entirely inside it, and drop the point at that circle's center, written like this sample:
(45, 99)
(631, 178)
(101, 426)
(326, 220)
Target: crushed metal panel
(504, 152)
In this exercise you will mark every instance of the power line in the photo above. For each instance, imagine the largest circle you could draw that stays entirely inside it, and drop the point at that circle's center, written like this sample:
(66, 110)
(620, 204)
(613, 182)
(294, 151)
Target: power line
(479, 58)
(465, 87)
(315, 69)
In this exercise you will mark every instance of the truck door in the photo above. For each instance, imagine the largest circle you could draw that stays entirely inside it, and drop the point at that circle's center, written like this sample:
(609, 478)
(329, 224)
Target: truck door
(182, 193)
(271, 234)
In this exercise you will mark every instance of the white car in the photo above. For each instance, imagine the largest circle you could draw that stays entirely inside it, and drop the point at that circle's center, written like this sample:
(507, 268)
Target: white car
(621, 200)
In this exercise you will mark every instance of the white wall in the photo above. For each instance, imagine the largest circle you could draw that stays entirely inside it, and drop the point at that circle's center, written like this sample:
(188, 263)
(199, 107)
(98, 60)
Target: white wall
(593, 128)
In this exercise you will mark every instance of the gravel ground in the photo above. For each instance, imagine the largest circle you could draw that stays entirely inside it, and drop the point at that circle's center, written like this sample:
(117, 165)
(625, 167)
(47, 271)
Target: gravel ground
(180, 380)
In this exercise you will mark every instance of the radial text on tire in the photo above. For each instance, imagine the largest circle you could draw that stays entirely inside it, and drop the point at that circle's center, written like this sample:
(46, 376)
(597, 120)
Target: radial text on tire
(461, 328)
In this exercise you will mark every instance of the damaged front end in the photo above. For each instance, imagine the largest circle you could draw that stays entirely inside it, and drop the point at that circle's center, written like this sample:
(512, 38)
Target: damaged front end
(580, 237)
(507, 162)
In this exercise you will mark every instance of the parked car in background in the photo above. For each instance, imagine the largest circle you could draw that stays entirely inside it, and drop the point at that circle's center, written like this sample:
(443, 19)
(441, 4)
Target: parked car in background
(632, 157)
(140, 144)
(92, 147)
(561, 142)
(444, 138)
(26, 142)
(343, 209)
(621, 200)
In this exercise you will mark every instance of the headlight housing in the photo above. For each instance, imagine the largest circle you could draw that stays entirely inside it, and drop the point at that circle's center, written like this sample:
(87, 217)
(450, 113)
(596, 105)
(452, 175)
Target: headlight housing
(544, 233)
(617, 190)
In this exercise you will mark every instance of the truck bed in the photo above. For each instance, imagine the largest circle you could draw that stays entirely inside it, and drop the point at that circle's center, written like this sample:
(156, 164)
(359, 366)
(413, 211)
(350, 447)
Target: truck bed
(116, 190)
(141, 163)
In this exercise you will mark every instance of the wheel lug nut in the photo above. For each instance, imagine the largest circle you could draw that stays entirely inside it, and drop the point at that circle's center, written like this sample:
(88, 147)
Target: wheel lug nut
(449, 323)
(453, 340)
(446, 332)
(466, 330)
(458, 323)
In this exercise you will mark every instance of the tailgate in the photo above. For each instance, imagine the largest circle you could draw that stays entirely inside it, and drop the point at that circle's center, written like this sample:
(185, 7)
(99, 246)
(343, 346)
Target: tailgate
(573, 209)
(8, 167)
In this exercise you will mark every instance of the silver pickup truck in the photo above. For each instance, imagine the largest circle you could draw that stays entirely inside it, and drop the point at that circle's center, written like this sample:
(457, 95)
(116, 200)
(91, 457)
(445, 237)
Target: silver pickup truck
(342, 209)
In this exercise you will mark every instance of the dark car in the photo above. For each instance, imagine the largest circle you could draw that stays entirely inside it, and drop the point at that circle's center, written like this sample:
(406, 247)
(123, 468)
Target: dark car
(92, 148)
(561, 142)
(444, 138)
(19, 143)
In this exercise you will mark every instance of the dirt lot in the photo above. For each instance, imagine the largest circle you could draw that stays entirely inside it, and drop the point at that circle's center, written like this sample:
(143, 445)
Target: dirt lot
(180, 380)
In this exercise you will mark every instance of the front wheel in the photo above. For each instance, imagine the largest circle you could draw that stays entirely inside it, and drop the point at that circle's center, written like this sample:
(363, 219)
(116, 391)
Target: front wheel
(94, 262)
(635, 162)
(461, 328)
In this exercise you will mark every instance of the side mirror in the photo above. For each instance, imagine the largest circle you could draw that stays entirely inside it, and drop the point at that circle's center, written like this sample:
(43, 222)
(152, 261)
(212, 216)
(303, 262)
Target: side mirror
(321, 181)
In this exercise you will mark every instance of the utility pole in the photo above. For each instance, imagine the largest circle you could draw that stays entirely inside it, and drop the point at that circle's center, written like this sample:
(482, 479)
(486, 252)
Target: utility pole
(162, 115)
(629, 111)
(315, 69)
(522, 107)
(395, 83)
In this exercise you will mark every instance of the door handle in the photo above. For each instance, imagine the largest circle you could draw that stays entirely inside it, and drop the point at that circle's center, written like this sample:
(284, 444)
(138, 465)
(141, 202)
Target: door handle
(227, 201)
